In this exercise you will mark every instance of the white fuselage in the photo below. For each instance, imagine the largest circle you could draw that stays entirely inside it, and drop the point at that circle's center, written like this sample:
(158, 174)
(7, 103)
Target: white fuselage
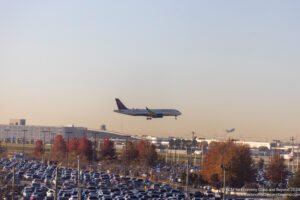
(154, 113)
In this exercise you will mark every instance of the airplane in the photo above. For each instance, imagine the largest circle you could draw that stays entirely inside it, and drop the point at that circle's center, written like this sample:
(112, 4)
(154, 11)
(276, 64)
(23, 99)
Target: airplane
(289, 156)
(149, 113)
(230, 130)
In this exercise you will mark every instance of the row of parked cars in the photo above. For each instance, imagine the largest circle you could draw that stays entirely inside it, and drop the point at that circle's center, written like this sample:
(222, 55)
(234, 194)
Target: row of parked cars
(39, 183)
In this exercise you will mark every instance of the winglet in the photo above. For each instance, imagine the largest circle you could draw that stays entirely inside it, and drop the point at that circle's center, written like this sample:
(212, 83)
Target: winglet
(120, 104)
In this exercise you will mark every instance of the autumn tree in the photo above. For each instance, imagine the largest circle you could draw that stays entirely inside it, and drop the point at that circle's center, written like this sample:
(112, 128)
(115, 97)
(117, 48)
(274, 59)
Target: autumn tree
(130, 152)
(73, 145)
(73, 151)
(240, 168)
(38, 150)
(146, 153)
(85, 149)
(80, 147)
(107, 149)
(277, 171)
(59, 148)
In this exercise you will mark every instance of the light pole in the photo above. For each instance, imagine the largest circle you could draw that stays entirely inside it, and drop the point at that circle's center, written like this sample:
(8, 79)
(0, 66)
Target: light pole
(44, 143)
(56, 179)
(78, 181)
(187, 179)
(167, 155)
(125, 163)
(224, 168)
(95, 149)
(7, 130)
(52, 140)
(24, 143)
(13, 184)
(68, 132)
(202, 155)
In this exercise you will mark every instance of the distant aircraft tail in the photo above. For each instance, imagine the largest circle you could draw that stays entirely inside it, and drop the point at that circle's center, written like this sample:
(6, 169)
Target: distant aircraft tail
(291, 155)
(120, 105)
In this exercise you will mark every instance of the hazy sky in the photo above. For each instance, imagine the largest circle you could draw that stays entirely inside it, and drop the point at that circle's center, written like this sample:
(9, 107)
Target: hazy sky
(223, 64)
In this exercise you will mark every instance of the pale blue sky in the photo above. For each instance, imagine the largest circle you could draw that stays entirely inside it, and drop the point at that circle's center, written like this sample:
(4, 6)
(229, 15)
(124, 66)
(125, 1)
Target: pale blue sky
(223, 64)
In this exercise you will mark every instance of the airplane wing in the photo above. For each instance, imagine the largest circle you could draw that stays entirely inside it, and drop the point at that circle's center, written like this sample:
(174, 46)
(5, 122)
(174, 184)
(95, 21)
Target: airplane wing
(150, 112)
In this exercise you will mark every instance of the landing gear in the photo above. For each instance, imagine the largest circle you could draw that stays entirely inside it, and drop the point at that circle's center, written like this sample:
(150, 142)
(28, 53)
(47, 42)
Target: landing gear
(149, 118)
(176, 117)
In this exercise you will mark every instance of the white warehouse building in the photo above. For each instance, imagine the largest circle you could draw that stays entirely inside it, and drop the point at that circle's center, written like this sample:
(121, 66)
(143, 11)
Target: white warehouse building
(16, 131)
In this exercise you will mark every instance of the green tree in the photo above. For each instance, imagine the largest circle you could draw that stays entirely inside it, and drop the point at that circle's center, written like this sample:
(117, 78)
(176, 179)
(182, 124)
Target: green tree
(2, 149)
(260, 163)
(295, 183)
(277, 170)
(263, 148)
(171, 143)
(177, 144)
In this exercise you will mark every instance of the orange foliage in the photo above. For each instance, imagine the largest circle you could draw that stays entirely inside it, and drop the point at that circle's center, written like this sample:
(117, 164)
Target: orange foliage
(237, 156)
(73, 145)
(38, 149)
(107, 150)
(85, 148)
(59, 148)
(130, 153)
(147, 152)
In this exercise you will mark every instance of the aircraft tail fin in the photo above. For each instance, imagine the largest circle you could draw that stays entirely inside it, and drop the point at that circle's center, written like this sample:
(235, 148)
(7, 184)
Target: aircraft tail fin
(291, 154)
(120, 104)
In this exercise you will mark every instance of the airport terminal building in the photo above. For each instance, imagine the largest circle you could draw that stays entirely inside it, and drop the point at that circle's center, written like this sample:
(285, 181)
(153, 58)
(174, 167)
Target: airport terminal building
(17, 130)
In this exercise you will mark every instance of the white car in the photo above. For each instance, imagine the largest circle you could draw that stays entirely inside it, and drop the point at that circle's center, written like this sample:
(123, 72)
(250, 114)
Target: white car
(50, 193)
(73, 197)
(27, 192)
(27, 176)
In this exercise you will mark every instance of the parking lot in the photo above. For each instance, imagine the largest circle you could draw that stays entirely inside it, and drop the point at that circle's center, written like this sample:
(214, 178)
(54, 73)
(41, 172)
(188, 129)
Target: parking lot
(34, 180)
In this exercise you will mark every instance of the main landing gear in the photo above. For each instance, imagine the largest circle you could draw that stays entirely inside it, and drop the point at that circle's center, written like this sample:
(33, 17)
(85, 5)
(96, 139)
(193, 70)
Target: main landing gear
(149, 118)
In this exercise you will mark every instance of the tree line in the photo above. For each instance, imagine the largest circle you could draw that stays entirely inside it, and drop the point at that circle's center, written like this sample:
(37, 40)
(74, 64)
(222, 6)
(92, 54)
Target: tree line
(235, 159)
(241, 170)
(141, 151)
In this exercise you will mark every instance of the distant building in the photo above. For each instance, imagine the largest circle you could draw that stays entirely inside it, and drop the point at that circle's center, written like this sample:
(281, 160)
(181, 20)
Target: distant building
(155, 140)
(256, 144)
(17, 122)
(251, 144)
(17, 129)
(199, 140)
